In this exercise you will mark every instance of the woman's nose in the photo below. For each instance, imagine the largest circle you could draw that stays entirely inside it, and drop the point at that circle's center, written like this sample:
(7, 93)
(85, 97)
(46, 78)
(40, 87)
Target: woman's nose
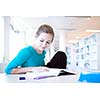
(44, 44)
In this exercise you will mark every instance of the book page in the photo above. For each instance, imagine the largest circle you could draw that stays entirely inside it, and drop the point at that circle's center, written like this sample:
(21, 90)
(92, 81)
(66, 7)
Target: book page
(51, 73)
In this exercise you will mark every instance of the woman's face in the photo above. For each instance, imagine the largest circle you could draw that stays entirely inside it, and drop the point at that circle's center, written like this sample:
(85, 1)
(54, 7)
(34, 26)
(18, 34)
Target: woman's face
(43, 41)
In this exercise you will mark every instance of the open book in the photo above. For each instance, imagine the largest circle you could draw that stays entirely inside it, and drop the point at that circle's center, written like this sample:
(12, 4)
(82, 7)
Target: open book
(51, 73)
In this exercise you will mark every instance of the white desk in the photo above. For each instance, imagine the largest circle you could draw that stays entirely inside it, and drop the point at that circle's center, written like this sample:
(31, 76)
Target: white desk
(60, 79)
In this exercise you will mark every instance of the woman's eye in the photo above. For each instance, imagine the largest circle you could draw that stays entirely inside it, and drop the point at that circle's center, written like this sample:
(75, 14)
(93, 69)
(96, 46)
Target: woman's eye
(48, 42)
(41, 40)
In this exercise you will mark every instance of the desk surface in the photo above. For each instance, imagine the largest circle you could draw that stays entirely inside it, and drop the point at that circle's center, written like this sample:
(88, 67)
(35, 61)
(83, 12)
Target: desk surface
(60, 79)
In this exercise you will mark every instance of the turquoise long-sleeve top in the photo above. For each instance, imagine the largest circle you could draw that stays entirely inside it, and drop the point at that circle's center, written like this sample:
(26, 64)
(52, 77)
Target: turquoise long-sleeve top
(25, 58)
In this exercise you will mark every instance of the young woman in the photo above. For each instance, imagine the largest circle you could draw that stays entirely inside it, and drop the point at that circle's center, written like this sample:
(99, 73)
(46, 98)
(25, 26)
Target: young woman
(31, 58)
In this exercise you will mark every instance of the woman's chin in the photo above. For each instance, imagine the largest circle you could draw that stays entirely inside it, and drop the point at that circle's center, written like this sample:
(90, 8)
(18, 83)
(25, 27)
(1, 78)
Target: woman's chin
(41, 50)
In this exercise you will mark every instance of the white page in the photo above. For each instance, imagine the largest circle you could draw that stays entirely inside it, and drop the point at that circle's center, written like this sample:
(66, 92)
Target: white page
(51, 72)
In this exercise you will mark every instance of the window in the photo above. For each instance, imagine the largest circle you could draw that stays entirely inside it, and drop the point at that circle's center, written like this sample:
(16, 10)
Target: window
(1, 38)
(16, 42)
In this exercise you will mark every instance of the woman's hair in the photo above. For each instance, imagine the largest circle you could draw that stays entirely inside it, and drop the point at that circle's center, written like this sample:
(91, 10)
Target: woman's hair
(45, 29)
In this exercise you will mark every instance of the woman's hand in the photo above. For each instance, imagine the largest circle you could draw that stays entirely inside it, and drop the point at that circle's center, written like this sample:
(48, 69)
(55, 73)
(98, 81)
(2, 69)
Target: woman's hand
(38, 69)
(29, 69)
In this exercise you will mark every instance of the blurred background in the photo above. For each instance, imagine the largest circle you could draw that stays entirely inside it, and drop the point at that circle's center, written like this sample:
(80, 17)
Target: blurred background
(77, 36)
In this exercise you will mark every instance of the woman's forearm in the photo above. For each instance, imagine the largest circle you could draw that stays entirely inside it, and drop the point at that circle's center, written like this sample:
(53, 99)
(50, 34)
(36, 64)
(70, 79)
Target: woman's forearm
(29, 69)
(21, 70)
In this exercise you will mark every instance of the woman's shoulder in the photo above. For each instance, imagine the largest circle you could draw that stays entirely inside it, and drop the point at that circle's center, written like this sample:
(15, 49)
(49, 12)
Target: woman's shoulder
(31, 50)
(27, 47)
(26, 50)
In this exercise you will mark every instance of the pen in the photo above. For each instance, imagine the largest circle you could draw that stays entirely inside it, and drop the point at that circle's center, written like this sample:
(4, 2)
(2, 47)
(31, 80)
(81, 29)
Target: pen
(42, 77)
(22, 78)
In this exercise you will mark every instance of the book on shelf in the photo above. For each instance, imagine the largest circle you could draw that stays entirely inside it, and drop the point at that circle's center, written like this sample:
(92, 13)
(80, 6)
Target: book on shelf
(51, 73)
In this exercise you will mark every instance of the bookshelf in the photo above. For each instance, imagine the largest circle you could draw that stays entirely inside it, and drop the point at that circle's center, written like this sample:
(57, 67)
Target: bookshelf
(87, 52)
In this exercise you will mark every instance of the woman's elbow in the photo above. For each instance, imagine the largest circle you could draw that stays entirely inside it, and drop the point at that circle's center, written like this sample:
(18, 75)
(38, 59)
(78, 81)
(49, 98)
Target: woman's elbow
(7, 71)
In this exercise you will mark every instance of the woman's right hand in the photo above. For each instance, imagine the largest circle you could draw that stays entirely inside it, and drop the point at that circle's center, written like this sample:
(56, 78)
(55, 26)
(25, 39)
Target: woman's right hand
(29, 69)
(38, 69)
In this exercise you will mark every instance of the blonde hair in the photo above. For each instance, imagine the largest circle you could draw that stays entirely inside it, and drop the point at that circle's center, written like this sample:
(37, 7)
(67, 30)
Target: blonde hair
(45, 29)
